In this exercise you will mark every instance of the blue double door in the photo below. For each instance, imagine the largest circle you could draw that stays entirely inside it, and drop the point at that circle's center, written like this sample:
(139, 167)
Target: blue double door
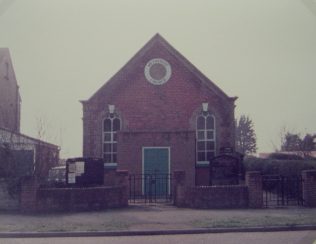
(156, 170)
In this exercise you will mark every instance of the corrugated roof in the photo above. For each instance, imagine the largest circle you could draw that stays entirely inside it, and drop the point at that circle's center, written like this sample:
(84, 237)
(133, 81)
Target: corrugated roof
(36, 141)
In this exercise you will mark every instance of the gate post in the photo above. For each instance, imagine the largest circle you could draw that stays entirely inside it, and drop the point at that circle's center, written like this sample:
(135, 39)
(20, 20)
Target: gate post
(109, 176)
(28, 195)
(122, 178)
(255, 194)
(179, 188)
(122, 181)
(309, 187)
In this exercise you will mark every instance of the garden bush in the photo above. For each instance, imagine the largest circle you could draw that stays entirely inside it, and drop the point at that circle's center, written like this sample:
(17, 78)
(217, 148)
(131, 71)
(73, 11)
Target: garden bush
(279, 167)
(284, 156)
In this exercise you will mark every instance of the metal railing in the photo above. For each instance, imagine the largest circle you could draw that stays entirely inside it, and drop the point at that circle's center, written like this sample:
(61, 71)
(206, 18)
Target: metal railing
(282, 191)
(150, 188)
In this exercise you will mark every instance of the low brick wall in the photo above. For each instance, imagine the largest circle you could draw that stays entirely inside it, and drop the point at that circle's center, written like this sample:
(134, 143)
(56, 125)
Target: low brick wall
(230, 196)
(43, 199)
(72, 199)
(221, 196)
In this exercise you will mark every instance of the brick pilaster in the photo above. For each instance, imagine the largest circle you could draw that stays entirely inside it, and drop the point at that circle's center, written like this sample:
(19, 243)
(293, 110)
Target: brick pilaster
(109, 177)
(254, 183)
(28, 195)
(309, 187)
(122, 177)
(122, 180)
(179, 188)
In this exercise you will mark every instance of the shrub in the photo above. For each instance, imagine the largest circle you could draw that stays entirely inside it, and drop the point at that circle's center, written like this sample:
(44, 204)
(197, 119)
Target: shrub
(284, 156)
(279, 167)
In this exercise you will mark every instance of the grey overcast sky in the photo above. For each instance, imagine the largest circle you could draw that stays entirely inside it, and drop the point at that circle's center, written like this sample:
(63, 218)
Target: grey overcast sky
(264, 52)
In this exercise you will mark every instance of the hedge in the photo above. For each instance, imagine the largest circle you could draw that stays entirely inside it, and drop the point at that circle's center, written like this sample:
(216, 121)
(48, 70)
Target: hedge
(279, 167)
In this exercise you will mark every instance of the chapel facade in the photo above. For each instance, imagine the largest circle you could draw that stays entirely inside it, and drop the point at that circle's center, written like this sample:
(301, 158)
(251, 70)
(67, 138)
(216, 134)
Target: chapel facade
(159, 114)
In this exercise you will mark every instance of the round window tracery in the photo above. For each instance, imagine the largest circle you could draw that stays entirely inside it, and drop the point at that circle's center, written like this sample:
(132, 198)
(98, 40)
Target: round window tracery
(157, 71)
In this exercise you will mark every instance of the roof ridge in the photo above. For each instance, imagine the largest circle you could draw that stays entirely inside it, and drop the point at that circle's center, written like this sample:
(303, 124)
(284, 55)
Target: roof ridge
(157, 38)
(193, 68)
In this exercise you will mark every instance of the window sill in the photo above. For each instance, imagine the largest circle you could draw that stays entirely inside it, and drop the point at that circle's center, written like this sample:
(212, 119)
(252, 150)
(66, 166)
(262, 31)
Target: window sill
(110, 165)
(201, 164)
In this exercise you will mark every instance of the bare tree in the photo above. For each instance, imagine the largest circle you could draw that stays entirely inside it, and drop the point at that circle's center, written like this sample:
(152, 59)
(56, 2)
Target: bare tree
(44, 158)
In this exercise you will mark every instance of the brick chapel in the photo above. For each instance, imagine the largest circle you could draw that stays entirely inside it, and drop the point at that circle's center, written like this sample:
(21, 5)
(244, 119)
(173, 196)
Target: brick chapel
(159, 114)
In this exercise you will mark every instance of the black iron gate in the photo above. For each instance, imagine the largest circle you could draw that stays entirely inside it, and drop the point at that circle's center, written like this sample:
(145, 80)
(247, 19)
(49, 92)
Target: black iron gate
(282, 191)
(150, 188)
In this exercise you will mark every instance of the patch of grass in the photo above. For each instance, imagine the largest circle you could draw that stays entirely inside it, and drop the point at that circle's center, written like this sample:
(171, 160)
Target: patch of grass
(177, 219)
(69, 226)
(108, 226)
(115, 225)
(259, 221)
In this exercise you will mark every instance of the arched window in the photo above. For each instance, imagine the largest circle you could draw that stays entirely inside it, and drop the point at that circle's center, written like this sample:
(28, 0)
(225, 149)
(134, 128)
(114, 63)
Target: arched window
(205, 137)
(111, 125)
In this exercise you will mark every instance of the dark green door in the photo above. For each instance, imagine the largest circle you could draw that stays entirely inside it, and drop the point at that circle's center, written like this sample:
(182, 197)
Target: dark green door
(156, 171)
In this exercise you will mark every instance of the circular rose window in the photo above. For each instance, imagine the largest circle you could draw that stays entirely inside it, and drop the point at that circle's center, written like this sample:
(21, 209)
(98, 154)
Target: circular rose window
(157, 71)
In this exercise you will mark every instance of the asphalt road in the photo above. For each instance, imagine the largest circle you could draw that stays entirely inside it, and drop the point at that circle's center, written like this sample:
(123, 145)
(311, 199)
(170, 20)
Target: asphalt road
(285, 237)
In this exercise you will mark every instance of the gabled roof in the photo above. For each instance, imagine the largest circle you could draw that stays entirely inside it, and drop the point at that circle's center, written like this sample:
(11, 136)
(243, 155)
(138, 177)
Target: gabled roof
(4, 52)
(5, 57)
(159, 40)
(11, 135)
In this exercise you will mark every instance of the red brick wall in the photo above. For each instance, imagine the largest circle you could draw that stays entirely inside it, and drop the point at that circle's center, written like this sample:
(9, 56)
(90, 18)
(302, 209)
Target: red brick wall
(34, 198)
(202, 176)
(227, 196)
(89, 198)
(234, 196)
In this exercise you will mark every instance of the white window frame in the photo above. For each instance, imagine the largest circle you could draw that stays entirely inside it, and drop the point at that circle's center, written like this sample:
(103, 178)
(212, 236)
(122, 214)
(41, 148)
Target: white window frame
(205, 115)
(111, 117)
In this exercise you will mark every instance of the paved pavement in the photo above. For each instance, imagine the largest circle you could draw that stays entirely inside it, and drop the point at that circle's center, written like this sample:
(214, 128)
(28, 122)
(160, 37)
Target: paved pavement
(292, 237)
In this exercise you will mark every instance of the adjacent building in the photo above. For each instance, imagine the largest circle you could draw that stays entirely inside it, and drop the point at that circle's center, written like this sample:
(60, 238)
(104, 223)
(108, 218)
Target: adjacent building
(10, 100)
(29, 155)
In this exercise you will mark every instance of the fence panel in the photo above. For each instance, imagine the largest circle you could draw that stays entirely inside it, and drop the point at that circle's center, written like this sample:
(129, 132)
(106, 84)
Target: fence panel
(282, 191)
(150, 188)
